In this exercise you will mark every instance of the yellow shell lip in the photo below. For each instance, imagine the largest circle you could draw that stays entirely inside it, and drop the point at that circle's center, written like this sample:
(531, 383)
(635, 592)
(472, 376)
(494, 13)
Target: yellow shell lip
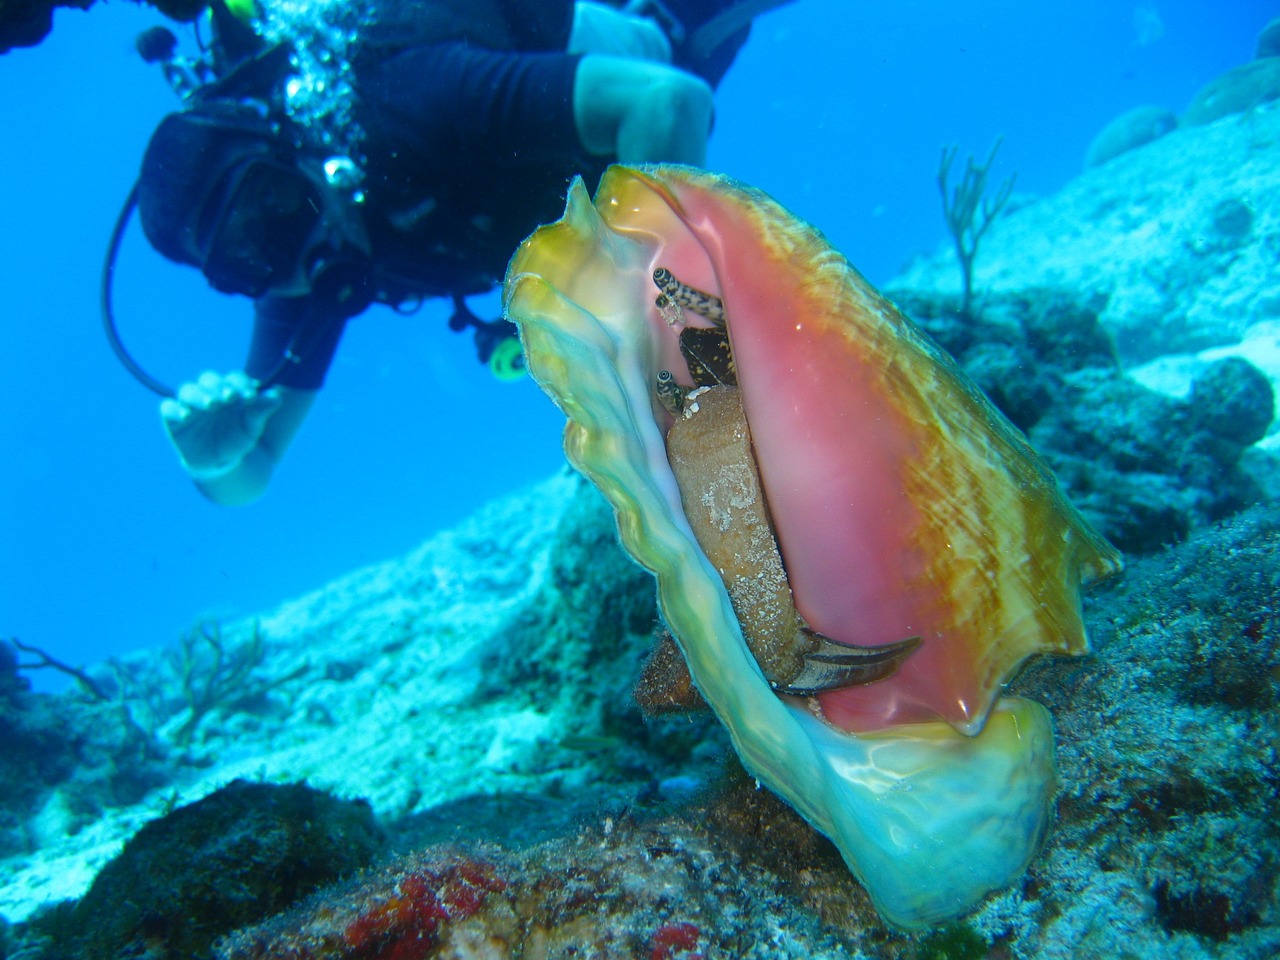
(928, 817)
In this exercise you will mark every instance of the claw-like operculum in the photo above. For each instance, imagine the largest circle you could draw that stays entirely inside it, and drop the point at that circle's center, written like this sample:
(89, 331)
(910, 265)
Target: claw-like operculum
(710, 455)
(831, 665)
(706, 351)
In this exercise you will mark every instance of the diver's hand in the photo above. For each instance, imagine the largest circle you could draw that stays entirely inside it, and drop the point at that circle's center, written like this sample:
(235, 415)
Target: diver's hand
(601, 29)
(217, 421)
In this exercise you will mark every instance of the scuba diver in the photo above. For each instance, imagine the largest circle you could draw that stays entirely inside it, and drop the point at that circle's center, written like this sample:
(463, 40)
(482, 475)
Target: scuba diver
(390, 160)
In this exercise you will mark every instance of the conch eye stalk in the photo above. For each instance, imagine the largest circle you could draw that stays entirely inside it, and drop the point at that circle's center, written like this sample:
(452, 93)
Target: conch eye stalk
(685, 296)
(854, 550)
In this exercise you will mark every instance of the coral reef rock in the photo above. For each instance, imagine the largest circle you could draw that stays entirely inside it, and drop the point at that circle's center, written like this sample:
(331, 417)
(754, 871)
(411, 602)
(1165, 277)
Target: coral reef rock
(533, 812)
(239, 855)
(1131, 129)
(1175, 240)
(1146, 467)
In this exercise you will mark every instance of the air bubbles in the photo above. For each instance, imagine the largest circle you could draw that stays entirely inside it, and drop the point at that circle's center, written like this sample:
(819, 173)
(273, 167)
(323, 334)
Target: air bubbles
(319, 96)
(342, 173)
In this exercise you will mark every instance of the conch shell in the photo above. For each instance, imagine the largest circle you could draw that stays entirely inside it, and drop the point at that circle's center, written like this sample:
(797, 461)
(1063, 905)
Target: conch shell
(903, 505)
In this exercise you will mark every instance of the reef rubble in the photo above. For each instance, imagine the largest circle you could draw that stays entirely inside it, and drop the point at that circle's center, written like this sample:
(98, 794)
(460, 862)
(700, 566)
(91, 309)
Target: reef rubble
(459, 692)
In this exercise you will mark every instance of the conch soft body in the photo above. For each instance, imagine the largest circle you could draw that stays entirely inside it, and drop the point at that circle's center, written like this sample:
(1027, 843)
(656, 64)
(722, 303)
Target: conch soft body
(909, 517)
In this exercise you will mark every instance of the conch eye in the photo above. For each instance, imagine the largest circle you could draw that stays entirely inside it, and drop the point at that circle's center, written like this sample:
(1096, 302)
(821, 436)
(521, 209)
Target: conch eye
(683, 295)
(670, 394)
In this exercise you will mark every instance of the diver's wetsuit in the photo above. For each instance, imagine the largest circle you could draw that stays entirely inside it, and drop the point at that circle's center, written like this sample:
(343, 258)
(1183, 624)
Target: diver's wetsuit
(470, 138)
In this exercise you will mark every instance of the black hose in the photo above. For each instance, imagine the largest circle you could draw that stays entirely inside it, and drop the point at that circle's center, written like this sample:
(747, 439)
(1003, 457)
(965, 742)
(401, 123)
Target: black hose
(292, 354)
(707, 37)
(108, 314)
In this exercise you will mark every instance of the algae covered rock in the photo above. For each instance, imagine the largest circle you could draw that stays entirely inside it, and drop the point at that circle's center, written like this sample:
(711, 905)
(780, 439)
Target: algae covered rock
(1168, 753)
(1149, 468)
(1234, 400)
(1166, 843)
(1145, 467)
(236, 857)
(64, 760)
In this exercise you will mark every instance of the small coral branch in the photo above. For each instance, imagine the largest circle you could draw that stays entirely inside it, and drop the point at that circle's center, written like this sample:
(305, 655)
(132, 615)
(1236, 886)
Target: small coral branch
(968, 213)
(87, 682)
(212, 674)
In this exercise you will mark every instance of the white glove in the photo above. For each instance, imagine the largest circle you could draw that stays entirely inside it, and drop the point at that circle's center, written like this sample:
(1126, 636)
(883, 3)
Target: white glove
(217, 421)
(601, 29)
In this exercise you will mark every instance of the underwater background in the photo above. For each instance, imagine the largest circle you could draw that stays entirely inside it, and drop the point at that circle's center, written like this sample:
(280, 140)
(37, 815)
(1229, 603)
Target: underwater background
(837, 108)
(390, 712)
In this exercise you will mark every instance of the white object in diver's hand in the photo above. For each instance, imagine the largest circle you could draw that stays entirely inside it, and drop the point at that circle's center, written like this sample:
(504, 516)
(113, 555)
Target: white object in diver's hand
(216, 421)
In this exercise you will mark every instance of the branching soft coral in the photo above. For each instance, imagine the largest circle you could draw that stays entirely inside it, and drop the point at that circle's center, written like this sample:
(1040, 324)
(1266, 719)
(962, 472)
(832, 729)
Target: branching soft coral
(968, 213)
(215, 675)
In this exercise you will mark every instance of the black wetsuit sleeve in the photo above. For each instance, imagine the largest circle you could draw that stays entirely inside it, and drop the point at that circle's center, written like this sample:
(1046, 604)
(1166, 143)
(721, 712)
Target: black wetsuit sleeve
(710, 55)
(541, 25)
(535, 26)
(298, 331)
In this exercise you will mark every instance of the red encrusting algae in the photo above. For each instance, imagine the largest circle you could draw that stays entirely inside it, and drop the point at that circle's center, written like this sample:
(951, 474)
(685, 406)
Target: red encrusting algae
(675, 941)
(405, 913)
(407, 925)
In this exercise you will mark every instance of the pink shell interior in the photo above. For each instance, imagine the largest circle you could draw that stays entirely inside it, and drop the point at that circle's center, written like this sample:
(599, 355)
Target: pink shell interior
(904, 504)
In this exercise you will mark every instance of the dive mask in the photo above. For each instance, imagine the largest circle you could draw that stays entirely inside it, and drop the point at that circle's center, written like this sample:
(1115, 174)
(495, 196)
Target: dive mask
(260, 228)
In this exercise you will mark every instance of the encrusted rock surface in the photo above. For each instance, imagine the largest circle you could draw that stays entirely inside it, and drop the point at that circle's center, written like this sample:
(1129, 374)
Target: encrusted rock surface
(596, 830)
(1175, 240)
(1146, 468)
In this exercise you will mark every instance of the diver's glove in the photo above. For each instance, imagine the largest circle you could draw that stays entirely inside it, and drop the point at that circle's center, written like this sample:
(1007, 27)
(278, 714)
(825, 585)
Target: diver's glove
(601, 29)
(217, 421)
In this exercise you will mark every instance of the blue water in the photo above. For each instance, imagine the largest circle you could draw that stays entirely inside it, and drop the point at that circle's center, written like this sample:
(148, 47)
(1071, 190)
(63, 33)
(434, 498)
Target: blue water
(837, 107)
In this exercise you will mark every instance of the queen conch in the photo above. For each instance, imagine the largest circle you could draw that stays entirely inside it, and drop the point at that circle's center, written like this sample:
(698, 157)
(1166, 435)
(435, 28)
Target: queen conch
(854, 550)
